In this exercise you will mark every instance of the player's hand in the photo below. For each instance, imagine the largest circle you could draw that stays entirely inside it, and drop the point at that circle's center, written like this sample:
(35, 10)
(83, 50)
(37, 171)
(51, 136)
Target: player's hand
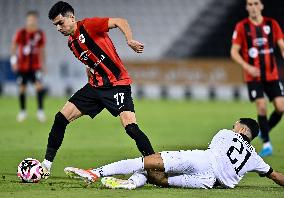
(14, 68)
(253, 71)
(136, 46)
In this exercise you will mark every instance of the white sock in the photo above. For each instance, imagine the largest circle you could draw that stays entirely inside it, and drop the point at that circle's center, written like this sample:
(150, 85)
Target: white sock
(267, 145)
(122, 167)
(139, 178)
(47, 164)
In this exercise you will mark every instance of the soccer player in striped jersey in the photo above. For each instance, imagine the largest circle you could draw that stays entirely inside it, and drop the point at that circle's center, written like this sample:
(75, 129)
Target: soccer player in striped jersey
(253, 47)
(229, 157)
(27, 61)
(109, 81)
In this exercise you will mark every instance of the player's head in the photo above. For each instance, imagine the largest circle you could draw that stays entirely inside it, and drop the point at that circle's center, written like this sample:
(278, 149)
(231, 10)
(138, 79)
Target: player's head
(247, 126)
(32, 20)
(62, 16)
(254, 8)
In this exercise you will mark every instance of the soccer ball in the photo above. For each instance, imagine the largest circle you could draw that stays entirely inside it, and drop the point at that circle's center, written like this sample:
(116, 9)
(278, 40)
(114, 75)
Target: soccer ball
(30, 170)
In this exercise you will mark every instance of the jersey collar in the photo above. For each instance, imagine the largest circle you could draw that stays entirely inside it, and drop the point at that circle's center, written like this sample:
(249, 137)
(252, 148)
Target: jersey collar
(245, 138)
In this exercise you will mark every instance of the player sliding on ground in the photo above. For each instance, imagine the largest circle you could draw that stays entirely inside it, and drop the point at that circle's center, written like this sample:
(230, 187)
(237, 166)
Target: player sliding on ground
(109, 82)
(228, 158)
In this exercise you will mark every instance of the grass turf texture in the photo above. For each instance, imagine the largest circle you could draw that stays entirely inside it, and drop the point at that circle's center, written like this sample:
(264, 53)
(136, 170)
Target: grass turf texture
(171, 125)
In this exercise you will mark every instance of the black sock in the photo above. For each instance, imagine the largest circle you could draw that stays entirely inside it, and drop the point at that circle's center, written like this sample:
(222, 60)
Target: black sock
(275, 117)
(56, 136)
(40, 96)
(22, 99)
(264, 127)
(140, 138)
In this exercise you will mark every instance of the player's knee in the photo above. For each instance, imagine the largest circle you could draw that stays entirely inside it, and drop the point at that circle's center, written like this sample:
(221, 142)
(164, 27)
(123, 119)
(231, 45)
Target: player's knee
(61, 119)
(127, 118)
(261, 110)
(280, 109)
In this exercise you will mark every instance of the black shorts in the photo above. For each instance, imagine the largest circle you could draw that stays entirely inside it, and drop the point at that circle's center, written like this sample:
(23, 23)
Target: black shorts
(92, 100)
(24, 77)
(272, 89)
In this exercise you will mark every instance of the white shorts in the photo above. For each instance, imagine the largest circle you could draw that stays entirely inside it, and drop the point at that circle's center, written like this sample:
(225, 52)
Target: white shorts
(188, 169)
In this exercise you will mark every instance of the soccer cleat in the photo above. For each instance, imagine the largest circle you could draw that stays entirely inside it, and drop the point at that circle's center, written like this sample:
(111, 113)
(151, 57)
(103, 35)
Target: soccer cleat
(46, 172)
(22, 115)
(78, 173)
(41, 116)
(266, 152)
(114, 183)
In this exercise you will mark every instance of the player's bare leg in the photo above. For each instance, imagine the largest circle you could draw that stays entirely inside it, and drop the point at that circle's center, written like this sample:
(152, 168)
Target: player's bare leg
(67, 114)
(22, 99)
(128, 120)
(276, 115)
(261, 107)
(40, 97)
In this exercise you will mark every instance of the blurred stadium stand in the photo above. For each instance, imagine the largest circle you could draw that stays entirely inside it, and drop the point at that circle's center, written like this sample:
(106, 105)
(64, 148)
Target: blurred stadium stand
(170, 29)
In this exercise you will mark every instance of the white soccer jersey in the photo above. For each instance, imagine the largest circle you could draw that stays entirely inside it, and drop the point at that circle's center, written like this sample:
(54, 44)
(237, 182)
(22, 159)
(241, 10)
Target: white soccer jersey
(232, 157)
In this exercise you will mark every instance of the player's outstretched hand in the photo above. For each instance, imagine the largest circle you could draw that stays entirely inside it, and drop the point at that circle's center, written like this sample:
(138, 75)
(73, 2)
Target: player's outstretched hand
(253, 71)
(136, 46)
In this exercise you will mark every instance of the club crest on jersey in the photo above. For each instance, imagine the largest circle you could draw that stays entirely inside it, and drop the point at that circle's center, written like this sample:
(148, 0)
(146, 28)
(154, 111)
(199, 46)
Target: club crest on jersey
(82, 38)
(266, 29)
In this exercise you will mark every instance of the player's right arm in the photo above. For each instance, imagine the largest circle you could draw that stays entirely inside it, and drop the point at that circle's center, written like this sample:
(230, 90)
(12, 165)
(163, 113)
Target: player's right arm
(237, 40)
(13, 58)
(277, 178)
(125, 28)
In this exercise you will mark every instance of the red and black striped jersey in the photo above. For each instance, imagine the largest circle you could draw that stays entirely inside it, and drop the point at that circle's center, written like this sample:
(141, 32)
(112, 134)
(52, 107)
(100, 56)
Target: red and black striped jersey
(93, 47)
(29, 46)
(258, 43)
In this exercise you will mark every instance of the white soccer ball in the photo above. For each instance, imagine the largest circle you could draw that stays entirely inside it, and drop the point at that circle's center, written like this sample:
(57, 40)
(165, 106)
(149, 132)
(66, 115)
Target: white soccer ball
(30, 170)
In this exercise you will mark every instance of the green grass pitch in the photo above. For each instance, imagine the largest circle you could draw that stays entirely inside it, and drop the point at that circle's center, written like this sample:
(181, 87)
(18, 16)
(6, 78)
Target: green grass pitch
(170, 125)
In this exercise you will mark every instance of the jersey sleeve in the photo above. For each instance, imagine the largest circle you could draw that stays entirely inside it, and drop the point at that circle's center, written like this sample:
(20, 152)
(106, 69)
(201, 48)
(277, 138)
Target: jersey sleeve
(278, 34)
(17, 38)
(261, 167)
(238, 35)
(42, 40)
(97, 25)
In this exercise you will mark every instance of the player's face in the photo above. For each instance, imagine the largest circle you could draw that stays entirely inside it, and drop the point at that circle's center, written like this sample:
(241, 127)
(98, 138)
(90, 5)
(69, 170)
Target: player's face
(254, 8)
(65, 24)
(31, 22)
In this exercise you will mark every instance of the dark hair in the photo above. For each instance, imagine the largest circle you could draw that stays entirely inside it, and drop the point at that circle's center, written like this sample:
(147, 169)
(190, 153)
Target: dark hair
(261, 1)
(60, 7)
(252, 125)
(32, 13)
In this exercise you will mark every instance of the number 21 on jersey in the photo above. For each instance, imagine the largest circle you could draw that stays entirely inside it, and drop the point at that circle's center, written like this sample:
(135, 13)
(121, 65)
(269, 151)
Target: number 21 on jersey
(239, 155)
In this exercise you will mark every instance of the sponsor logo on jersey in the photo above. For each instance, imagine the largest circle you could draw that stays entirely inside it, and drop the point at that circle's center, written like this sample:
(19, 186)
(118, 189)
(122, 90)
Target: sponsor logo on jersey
(99, 61)
(260, 41)
(253, 52)
(84, 55)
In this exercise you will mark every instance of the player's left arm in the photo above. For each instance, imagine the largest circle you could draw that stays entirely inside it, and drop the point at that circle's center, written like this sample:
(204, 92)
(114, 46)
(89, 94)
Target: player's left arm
(280, 43)
(43, 59)
(278, 35)
(125, 28)
(277, 177)
(42, 44)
